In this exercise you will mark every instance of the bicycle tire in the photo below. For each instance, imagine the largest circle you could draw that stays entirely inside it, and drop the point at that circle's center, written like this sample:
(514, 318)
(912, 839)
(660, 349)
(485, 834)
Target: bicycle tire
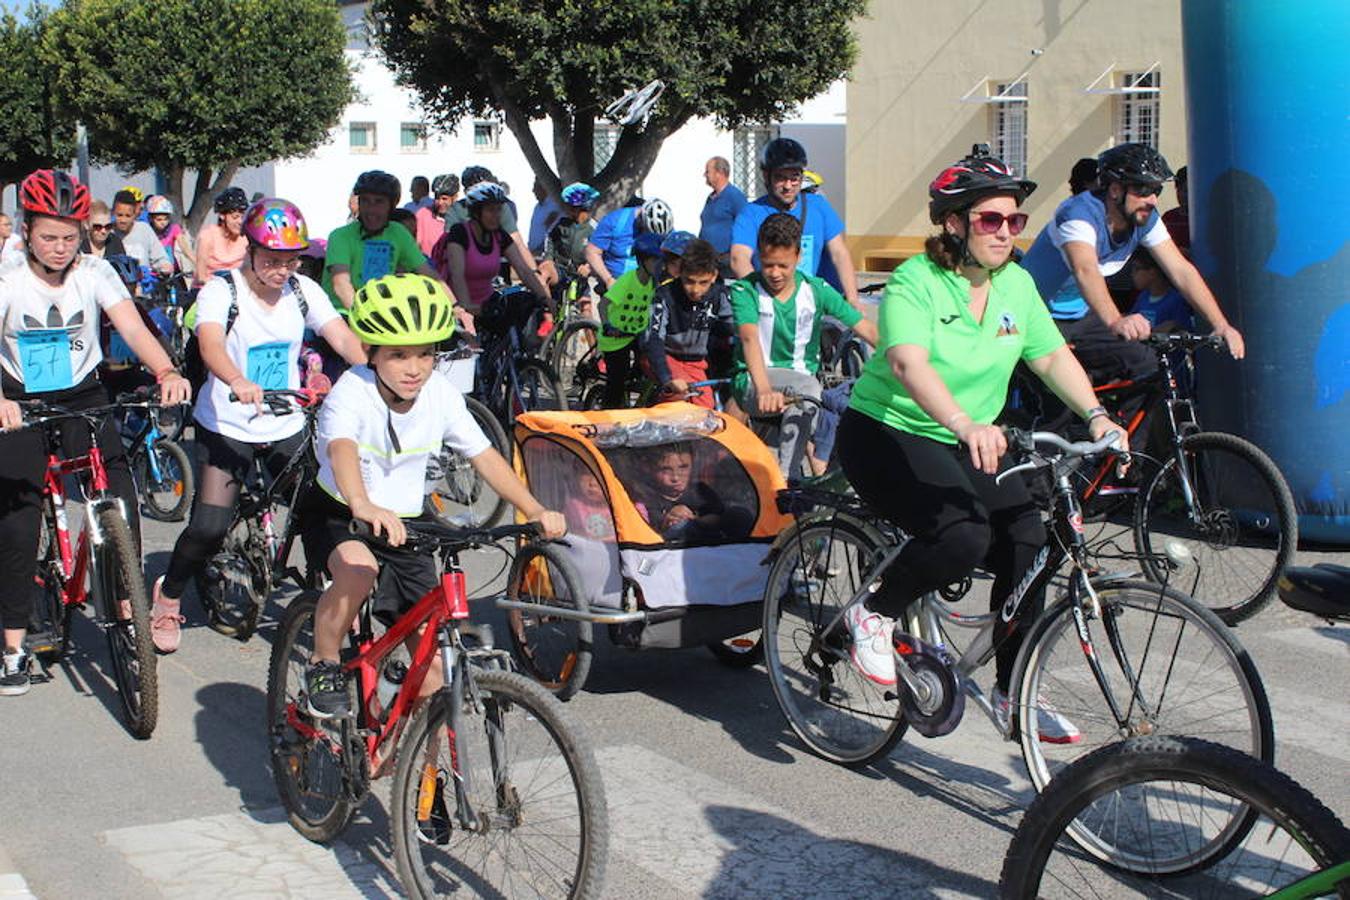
(566, 357)
(553, 651)
(536, 388)
(233, 585)
(296, 757)
(1115, 781)
(837, 712)
(118, 577)
(1195, 677)
(179, 480)
(525, 733)
(458, 494)
(594, 398)
(1244, 475)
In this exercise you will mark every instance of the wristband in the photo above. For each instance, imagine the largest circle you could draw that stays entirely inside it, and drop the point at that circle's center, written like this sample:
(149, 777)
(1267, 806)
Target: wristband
(1096, 412)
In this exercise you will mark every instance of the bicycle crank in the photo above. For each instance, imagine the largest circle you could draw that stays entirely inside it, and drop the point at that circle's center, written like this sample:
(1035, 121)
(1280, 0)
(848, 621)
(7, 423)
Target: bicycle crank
(928, 685)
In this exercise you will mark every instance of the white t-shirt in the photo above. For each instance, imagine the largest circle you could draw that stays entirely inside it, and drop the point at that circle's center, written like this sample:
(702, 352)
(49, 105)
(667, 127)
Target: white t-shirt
(50, 338)
(264, 343)
(394, 479)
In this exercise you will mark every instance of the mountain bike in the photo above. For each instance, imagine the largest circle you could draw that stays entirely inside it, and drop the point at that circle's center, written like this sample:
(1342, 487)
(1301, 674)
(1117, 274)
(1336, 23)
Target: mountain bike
(103, 567)
(456, 493)
(234, 584)
(571, 346)
(1143, 818)
(496, 791)
(161, 468)
(1114, 656)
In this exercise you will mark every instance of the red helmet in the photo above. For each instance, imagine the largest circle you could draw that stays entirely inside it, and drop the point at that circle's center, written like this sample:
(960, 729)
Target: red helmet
(49, 192)
(964, 183)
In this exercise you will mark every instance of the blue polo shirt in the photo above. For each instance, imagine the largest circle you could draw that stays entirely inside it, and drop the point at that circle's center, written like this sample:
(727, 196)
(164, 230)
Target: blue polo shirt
(719, 212)
(614, 236)
(822, 226)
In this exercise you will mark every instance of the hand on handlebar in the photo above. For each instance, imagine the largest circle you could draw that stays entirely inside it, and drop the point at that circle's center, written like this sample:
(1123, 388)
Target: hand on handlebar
(986, 443)
(1233, 338)
(675, 387)
(383, 522)
(245, 391)
(1133, 327)
(551, 523)
(11, 417)
(770, 403)
(175, 389)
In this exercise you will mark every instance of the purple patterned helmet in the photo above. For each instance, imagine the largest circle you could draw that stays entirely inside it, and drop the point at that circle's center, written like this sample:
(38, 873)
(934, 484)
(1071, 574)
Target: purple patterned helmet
(276, 224)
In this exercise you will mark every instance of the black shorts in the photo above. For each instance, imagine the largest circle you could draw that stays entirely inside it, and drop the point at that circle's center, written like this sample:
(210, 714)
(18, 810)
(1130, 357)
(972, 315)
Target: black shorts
(405, 575)
(236, 457)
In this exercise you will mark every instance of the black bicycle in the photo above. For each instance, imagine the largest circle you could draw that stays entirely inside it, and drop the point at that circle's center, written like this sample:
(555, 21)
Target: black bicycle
(511, 379)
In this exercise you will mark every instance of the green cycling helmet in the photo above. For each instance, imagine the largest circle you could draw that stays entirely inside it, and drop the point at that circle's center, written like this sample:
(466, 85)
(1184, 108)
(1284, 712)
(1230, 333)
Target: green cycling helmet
(402, 310)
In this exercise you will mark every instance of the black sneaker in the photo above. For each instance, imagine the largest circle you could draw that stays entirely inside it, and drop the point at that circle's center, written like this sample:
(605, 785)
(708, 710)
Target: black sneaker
(14, 677)
(326, 691)
(435, 829)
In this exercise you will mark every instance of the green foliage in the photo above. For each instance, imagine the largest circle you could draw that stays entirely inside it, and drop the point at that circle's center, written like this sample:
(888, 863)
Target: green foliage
(34, 133)
(201, 84)
(736, 60)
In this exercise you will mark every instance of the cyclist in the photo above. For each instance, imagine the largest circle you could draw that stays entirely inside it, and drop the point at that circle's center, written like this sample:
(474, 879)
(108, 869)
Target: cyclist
(172, 236)
(49, 350)
(672, 248)
(1092, 236)
(137, 236)
(431, 219)
(687, 314)
(100, 238)
(221, 245)
(469, 257)
(250, 325)
(372, 246)
(377, 430)
(783, 164)
(564, 258)
(955, 320)
(777, 312)
(610, 248)
(625, 310)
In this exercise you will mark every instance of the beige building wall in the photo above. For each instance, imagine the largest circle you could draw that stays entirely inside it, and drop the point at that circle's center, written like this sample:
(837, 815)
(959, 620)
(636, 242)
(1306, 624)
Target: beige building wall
(907, 119)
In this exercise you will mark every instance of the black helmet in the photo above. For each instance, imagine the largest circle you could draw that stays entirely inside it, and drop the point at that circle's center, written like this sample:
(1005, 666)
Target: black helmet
(1133, 164)
(474, 175)
(445, 184)
(379, 183)
(232, 199)
(964, 183)
(783, 153)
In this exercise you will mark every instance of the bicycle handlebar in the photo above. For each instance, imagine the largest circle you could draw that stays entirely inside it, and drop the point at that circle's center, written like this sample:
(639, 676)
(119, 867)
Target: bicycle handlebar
(1182, 340)
(279, 401)
(1026, 443)
(426, 534)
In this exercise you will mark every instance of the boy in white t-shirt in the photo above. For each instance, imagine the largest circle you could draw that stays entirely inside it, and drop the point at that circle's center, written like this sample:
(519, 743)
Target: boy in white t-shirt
(378, 428)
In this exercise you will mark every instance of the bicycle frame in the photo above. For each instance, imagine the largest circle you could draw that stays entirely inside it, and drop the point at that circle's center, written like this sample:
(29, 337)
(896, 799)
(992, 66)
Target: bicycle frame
(76, 563)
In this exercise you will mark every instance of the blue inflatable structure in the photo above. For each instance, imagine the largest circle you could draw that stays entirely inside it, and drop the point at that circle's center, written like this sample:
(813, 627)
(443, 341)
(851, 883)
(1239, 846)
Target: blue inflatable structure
(1268, 108)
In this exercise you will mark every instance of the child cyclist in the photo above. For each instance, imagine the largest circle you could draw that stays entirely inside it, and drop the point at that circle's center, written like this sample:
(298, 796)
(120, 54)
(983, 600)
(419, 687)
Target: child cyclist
(378, 427)
(251, 322)
(49, 350)
(625, 311)
(688, 313)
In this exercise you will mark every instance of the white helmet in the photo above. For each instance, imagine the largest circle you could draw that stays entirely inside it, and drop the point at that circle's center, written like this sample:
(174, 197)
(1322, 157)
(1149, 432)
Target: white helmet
(655, 216)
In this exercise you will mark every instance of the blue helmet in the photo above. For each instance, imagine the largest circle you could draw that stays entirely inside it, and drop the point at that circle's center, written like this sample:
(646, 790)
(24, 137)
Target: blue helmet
(675, 242)
(647, 244)
(580, 194)
(484, 192)
(127, 267)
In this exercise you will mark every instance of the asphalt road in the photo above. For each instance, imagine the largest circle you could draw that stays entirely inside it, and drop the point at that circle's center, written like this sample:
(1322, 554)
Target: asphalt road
(710, 794)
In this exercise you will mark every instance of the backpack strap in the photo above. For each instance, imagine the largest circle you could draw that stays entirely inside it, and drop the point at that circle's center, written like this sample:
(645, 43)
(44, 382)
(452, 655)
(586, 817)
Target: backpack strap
(299, 296)
(234, 300)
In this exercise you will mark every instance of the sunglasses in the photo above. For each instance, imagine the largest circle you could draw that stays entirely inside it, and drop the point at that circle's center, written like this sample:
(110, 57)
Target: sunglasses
(97, 227)
(989, 222)
(1144, 190)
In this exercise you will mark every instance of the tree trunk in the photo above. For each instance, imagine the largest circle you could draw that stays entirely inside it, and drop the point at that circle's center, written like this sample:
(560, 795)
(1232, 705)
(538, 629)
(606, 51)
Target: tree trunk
(204, 192)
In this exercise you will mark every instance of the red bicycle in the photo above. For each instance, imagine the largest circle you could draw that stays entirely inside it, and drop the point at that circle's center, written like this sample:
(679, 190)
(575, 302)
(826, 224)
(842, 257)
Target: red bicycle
(103, 566)
(495, 793)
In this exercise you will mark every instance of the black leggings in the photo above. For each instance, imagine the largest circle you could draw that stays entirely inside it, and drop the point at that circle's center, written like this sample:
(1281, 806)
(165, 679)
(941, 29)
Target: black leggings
(24, 456)
(619, 364)
(1107, 357)
(958, 516)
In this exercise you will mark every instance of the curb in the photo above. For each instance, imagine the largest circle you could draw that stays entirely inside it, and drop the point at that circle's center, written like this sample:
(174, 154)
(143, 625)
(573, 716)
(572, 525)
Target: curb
(12, 884)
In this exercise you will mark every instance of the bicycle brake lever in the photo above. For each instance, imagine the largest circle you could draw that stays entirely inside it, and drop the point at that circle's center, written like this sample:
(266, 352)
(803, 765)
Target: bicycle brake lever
(1024, 467)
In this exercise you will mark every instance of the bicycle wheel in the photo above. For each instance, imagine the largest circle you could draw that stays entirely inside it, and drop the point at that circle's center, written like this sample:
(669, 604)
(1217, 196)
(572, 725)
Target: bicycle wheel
(126, 618)
(309, 759)
(234, 584)
(575, 356)
(529, 777)
(537, 388)
(1171, 665)
(456, 493)
(1152, 802)
(168, 497)
(554, 651)
(837, 711)
(1241, 528)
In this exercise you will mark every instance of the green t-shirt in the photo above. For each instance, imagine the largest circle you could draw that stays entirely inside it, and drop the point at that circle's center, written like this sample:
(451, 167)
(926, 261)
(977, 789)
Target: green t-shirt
(789, 330)
(928, 307)
(628, 309)
(391, 251)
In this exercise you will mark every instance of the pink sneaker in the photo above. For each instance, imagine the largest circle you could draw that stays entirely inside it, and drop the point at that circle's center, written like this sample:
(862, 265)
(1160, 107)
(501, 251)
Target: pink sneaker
(871, 650)
(165, 620)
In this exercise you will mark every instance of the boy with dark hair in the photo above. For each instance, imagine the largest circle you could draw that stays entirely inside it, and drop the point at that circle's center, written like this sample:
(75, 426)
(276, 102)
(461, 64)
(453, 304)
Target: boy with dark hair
(777, 312)
(688, 313)
(1158, 301)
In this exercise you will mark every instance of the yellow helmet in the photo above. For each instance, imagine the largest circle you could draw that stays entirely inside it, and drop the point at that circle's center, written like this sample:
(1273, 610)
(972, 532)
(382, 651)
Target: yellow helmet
(811, 181)
(402, 310)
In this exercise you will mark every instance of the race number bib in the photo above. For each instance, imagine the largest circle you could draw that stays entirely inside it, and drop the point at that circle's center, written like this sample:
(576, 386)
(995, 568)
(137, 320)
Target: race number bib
(269, 365)
(44, 355)
(807, 264)
(377, 260)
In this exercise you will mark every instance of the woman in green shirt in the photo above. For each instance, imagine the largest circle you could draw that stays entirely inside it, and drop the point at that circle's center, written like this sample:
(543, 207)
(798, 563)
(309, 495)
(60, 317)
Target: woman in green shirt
(954, 322)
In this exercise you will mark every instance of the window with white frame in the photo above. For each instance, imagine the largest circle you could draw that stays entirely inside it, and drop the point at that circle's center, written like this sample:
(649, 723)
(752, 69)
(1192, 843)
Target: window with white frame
(603, 143)
(361, 137)
(1008, 124)
(412, 137)
(487, 134)
(747, 148)
(1138, 107)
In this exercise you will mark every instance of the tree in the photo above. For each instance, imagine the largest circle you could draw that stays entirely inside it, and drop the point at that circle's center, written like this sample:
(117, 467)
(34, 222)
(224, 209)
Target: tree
(204, 85)
(566, 60)
(34, 133)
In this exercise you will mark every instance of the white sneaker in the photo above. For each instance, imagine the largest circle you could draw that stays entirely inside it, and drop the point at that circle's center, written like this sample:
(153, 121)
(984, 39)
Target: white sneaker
(871, 651)
(1054, 727)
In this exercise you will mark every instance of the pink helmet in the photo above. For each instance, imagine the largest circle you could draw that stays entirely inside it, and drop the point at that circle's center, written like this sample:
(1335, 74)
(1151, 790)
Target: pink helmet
(157, 204)
(276, 224)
